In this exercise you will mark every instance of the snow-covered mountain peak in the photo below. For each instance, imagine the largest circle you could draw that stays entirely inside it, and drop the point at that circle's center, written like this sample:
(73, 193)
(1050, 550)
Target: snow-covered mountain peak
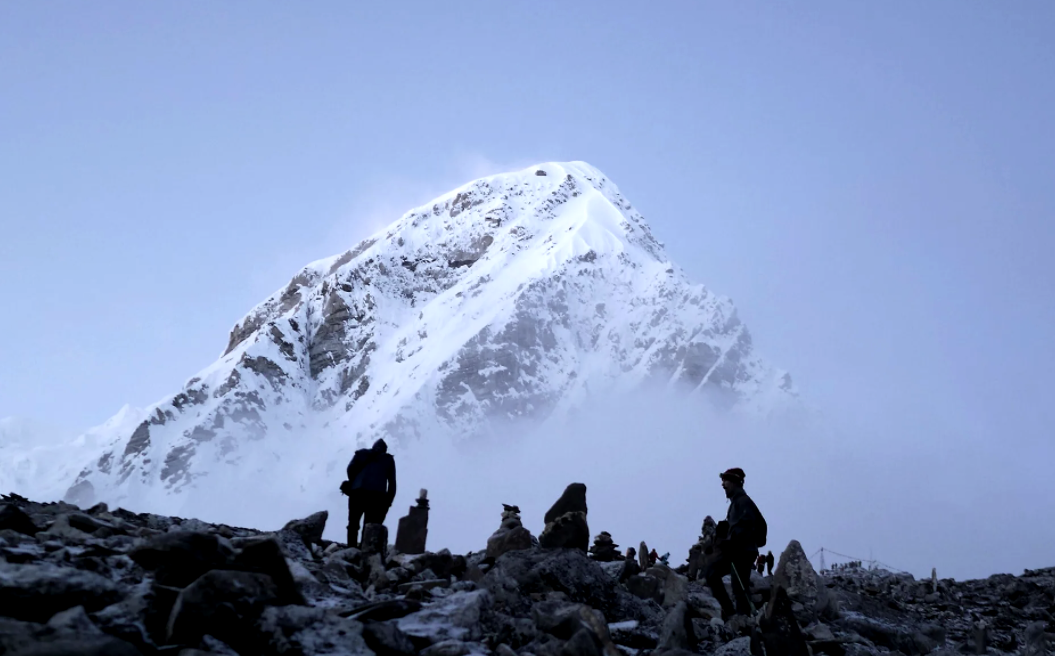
(515, 297)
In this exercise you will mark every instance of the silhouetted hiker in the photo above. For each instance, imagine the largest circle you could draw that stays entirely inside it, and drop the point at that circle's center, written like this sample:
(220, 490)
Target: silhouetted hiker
(769, 563)
(760, 563)
(738, 548)
(371, 487)
(652, 556)
(630, 565)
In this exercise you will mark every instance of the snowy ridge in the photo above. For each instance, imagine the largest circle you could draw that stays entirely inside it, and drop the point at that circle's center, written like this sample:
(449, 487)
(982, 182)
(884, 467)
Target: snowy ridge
(514, 297)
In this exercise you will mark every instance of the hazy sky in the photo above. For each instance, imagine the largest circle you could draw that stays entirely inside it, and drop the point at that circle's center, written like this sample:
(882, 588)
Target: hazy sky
(874, 186)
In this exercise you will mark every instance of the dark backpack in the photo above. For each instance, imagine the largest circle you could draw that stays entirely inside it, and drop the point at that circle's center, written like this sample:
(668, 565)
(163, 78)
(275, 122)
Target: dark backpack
(761, 530)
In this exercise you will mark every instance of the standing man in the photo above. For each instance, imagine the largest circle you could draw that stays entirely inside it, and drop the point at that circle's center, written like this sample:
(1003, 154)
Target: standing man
(371, 487)
(739, 548)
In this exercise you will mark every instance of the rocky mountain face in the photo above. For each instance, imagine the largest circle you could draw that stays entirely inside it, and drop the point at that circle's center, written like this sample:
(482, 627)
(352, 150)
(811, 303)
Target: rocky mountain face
(511, 299)
(102, 581)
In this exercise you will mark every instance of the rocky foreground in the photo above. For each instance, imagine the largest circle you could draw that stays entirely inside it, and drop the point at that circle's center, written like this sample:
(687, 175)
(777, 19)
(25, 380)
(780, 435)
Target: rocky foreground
(102, 582)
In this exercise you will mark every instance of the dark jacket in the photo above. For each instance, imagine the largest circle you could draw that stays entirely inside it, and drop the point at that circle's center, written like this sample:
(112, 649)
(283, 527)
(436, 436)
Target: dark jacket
(747, 527)
(373, 470)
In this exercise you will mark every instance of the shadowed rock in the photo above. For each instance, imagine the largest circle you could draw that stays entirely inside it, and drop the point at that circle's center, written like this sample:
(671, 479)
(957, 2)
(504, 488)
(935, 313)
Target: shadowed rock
(36, 592)
(310, 528)
(180, 557)
(572, 500)
(12, 518)
(222, 603)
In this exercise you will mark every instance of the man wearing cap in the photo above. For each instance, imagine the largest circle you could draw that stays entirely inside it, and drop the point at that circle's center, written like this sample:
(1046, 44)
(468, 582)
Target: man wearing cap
(739, 548)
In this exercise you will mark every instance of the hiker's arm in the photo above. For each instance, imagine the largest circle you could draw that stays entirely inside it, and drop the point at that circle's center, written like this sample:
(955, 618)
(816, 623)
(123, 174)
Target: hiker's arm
(354, 467)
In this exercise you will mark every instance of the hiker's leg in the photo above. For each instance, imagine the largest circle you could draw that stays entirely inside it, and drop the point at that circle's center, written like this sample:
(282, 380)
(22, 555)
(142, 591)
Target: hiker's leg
(741, 593)
(355, 514)
(714, 581)
(376, 508)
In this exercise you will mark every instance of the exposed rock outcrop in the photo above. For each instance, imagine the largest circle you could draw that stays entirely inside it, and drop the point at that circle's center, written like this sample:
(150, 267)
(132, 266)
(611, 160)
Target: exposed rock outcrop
(125, 584)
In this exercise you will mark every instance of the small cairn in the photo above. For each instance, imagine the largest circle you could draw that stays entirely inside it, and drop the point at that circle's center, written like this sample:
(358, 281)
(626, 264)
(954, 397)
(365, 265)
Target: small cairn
(510, 536)
(604, 550)
(414, 526)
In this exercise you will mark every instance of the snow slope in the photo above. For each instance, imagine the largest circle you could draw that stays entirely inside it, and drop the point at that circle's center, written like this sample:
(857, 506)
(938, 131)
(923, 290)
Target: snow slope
(513, 298)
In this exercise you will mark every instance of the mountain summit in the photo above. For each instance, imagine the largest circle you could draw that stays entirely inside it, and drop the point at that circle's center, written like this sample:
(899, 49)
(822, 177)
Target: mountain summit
(515, 297)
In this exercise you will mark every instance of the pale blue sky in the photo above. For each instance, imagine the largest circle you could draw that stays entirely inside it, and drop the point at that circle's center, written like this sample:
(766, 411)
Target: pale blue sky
(872, 183)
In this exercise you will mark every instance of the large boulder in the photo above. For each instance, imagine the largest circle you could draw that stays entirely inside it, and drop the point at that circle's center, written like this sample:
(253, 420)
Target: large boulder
(12, 518)
(566, 525)
(674, 587)
(264, 556)
(453, 617)
(310, 528)
(503, 541)
(520, 573)
(180, 557)
(385, 639)
(221, 603)
(573, 499)
(375, 540)
(567, 531)
(676, 631)
(796, 575)
(306, 631)
(36, 592)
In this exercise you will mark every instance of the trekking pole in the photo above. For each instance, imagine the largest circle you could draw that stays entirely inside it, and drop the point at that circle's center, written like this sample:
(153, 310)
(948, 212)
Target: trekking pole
(743, 587)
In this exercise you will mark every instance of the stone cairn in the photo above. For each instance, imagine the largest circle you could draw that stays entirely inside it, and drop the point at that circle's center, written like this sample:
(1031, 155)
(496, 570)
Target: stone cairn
(566, 525)
(510, 536)
(414, 527)
(604, 549)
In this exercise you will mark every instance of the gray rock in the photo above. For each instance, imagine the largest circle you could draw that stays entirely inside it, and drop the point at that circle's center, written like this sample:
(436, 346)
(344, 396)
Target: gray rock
(566, 521)
(567, 531)
(447, 648)
(36, 592)
(735, 647)
(573, 499)
(677, 631)
(796, 575)
(818, 631)
(558, 618)
(385, 639)
(455, 617)
(73, 621)
(222, 603)
(413, 529)
(13, 519)
(674, 587)
(644, 586)
(308, 631)
(264, 556)
(16, 634)
(582, 643)
(180, 557)
(310, 528)
(566, 571)
(375, 540)
(504, 541)
(86, 646)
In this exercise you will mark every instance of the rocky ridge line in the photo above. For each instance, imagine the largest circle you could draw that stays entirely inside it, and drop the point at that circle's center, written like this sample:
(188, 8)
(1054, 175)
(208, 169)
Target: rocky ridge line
(101, 581)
